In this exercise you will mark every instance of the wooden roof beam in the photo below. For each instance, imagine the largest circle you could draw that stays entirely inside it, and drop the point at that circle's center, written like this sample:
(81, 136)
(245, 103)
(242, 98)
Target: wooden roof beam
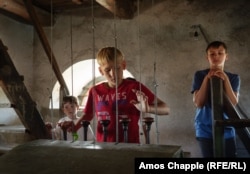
(17, 11)
(121, 8)
(46, 45)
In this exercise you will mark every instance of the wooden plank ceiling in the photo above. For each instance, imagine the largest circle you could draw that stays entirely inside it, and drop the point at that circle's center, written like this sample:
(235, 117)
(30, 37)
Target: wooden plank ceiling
(16, 9)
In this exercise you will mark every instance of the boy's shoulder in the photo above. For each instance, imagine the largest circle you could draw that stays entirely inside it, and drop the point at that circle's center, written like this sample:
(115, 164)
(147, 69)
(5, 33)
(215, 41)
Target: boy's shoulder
(99, 85)
(65, 118)
(231, 74)
(130, 81)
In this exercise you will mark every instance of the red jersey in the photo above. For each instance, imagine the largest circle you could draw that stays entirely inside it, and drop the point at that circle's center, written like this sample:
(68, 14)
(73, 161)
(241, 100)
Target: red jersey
(102, 99)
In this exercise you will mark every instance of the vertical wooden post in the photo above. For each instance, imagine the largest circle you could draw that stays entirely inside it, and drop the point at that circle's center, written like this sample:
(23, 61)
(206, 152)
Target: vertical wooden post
(217, 114)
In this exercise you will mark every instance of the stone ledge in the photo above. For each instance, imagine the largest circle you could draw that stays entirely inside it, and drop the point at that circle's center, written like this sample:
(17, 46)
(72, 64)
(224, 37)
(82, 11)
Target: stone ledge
(49, 156)
(12, 128)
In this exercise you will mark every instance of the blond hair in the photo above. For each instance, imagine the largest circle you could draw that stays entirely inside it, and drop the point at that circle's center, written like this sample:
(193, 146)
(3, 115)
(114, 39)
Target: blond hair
(109, 54)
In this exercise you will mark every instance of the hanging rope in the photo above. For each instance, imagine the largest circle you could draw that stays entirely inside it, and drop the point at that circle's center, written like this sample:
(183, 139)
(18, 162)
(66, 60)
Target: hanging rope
(155, 82)
(51, 60)
(139, 51)
(93, 63)
(74, 134)
(71, 55)
(116, 88)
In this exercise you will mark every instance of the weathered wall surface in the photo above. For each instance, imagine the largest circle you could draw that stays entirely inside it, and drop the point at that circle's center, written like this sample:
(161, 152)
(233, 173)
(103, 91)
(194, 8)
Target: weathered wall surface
(161, 35)
(18, 39)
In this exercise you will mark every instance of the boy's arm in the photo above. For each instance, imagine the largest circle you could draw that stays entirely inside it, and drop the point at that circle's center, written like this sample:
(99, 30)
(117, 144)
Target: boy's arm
(233, 96)
(200, 96)
(162, 108)
(78, 123)
(142, 104)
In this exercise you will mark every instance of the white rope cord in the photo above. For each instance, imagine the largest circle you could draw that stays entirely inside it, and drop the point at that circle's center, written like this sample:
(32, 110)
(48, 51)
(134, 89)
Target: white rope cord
(71, 55)
(155, 82)
(93, 65)
(141, 131)
(116, 88)
(73, 134)
(51, 91)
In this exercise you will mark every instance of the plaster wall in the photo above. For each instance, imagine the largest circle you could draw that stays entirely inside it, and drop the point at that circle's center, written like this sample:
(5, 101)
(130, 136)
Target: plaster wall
(159, 37)
(18, 38)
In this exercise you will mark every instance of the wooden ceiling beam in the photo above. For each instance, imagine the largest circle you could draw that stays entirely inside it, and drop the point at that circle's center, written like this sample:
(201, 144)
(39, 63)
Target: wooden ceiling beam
(121, 8)
(46, 45)
(17, 11)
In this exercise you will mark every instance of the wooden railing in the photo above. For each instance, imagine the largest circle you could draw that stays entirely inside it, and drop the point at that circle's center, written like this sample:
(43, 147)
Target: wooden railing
(14, 88)
(221, 103)
(46, 46)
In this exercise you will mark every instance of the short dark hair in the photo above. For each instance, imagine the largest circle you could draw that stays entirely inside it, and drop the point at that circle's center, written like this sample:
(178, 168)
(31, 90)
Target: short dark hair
(216, 44)
(69, 99)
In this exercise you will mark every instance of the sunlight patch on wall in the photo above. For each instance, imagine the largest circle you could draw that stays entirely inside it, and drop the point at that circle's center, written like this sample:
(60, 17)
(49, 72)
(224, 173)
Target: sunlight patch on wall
(8, 114)
(77, 77)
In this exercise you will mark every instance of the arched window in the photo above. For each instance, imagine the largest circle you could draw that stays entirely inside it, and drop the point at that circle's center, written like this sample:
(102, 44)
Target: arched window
(79, 78)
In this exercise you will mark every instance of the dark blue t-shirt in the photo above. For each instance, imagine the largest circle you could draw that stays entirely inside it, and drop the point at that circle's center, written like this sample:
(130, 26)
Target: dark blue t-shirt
(203, 116)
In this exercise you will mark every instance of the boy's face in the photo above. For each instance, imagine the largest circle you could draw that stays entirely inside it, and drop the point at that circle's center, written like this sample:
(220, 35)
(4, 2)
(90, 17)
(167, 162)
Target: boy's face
(113, 72)
(217, 57)
(70, 109)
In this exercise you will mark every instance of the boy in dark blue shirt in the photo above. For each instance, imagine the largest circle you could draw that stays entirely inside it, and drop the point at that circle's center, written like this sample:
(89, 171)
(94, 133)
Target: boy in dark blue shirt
(216, 54)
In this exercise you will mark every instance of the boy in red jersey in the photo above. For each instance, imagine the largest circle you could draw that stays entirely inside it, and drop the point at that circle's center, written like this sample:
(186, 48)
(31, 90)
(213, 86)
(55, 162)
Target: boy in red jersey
(119, 97)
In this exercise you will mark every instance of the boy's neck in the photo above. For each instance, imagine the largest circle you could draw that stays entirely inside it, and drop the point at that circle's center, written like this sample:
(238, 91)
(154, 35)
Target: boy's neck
(73, 117)
(113, 86)
(217, 67)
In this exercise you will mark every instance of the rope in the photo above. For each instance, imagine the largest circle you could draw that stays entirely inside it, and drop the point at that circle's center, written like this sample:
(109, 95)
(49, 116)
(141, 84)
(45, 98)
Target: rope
(155, 84)
(93, 64)
(71, 55)
(116, 88)
(74, 134)
(50, 91)
(139, 50)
